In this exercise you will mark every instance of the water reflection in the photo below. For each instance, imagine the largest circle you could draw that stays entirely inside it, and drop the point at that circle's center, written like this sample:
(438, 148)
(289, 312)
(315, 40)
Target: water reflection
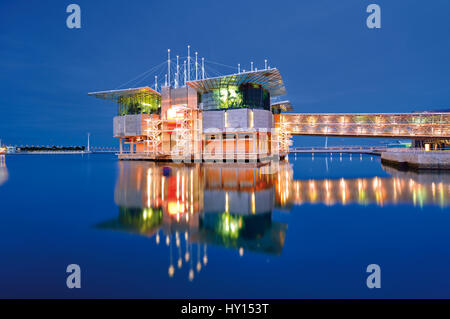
(188, 207)
(3, 170)
(418, 189)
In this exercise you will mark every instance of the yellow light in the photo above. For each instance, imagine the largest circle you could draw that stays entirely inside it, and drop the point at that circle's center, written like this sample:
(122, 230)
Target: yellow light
(253, 203)
(171, 271)
(175, 208)
(175, 112)
(226, 203)
(171, 114)
(251, 119)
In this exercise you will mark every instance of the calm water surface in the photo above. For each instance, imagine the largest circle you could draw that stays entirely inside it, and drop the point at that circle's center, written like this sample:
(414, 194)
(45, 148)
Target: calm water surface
(306, 228)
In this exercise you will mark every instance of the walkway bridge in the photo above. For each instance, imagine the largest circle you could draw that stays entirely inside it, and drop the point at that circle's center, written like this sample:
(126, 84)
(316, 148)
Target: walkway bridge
(340, 149)
(424, 125)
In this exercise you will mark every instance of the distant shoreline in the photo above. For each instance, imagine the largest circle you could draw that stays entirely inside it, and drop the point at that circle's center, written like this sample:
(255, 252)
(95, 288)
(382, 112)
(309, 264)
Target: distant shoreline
(60, 152)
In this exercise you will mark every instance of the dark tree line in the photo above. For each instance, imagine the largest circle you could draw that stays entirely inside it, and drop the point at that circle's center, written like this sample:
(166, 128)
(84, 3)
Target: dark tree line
(49, 148)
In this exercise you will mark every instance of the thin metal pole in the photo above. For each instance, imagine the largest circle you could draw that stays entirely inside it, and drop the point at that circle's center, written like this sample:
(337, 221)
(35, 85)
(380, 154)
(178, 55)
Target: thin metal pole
(178, 73)
(189, 63)
(168, 64)
(184, 72)
(196, 66)
(239, 68)
(156, 83)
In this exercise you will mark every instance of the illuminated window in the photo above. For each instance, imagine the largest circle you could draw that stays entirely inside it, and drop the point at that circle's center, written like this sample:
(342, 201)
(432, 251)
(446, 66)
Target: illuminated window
(141, 103)
(251, 119)
(232, 97)
(176, 112)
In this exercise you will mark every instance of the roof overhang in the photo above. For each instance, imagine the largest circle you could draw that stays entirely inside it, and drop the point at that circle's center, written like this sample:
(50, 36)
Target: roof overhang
(114, 95)
(269, 79)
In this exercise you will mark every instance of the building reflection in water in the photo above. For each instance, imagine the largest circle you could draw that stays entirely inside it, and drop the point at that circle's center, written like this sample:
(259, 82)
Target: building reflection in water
(3, 170)
(188, 207)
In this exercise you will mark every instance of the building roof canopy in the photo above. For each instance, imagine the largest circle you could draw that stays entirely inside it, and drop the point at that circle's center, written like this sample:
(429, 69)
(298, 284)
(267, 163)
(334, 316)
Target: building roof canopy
(269, 79)
(114, 95)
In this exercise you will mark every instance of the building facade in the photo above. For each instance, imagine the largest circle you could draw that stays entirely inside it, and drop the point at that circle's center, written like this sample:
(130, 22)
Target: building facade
(226, 118)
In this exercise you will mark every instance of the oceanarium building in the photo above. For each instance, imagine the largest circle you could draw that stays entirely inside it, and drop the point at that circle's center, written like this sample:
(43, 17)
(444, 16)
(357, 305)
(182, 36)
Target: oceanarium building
(228, 117)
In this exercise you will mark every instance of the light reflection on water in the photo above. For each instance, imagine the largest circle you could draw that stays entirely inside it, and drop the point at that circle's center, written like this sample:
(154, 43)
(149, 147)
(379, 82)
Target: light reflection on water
(301, 229)
(3, 170)
(188, 207)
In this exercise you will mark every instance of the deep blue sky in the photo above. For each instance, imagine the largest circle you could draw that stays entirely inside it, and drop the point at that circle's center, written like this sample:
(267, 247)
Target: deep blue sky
(330, 60)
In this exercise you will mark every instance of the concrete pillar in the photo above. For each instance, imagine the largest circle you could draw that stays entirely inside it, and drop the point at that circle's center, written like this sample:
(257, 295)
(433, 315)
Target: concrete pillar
(121, 147)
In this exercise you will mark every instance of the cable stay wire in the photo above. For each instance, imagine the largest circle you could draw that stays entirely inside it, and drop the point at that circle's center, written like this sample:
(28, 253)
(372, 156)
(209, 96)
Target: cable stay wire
(160, 70)
(221, 64)
(140, 75)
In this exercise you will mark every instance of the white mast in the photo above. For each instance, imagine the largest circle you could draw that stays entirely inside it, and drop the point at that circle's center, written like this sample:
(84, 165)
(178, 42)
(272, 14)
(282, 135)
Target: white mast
(239, 68)
(203, 68)
(177, 79)
(265, 64)
(168, 64)
(88, 145)
(251, 66)
(165, 83)
(196, 66)
(156, 83)
(189, 63)
(184, 72)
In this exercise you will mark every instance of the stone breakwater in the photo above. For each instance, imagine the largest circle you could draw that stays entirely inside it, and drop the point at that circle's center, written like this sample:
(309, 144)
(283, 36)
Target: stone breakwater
(415, 159)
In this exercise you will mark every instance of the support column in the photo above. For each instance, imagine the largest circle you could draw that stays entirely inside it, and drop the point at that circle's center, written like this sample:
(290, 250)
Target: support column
(121, 147)
(221, 147)
(254, 156)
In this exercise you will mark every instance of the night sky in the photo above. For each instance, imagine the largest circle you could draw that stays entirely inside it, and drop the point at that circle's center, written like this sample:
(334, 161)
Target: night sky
(330, 60)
